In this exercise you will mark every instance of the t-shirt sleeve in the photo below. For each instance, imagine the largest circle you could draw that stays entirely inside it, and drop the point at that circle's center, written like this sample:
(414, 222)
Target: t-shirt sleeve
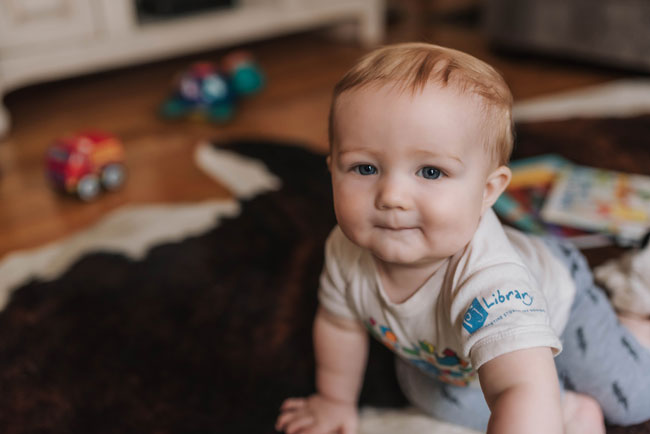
(498, 310)
(332, 292)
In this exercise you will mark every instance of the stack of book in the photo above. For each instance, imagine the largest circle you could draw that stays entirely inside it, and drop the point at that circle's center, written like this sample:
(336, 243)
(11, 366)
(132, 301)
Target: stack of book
(591, 207)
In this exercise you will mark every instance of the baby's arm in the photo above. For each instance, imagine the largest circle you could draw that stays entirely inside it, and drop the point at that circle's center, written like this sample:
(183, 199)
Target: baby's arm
(341, 349)
(523, 393)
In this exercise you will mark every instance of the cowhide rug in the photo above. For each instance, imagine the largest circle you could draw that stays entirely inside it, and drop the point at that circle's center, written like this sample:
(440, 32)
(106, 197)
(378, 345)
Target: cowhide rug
(197, 318)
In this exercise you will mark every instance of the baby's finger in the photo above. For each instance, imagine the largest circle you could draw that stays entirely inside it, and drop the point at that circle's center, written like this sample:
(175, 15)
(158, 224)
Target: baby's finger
(349, 428)
(291, 404)
(284, 419)
(298, 424)
(317, 429)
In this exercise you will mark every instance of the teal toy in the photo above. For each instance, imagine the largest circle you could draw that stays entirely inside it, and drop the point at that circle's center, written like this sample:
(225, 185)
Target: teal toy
(245, 75)
(210, 91)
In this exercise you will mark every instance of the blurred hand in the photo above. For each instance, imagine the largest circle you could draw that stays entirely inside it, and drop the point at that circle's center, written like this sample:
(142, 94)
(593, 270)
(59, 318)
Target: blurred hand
(316, 415)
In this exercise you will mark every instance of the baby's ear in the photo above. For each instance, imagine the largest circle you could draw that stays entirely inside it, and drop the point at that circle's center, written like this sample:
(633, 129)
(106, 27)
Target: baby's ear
(496, 182)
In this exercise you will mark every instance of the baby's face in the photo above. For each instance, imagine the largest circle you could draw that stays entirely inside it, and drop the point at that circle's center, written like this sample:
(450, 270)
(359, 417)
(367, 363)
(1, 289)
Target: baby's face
(409, 171)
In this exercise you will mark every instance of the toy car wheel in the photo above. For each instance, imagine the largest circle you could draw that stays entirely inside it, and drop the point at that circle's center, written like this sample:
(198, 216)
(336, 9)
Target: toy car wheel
(88, 187)
(113, 176)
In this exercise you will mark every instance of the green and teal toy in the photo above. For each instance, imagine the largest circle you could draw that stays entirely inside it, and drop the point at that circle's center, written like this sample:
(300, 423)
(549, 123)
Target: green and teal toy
(209, 91)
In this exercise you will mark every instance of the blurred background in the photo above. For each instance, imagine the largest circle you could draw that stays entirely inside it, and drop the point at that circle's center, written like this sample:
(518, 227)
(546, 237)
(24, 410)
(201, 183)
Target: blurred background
(74, 65)
(199, 334)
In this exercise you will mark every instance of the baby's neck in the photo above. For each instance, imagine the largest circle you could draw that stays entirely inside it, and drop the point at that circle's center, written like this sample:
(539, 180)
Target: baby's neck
(401, 281)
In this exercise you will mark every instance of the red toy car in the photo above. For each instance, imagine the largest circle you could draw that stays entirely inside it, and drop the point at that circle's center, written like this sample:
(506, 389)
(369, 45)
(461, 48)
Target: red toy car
(84, 163)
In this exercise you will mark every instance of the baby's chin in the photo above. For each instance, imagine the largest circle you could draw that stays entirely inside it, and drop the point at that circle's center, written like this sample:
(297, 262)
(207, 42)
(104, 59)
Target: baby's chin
(403, 256)
(414, 253)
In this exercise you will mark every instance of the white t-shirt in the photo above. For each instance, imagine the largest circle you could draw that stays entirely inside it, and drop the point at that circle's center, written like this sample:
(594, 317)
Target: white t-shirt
(503, 292)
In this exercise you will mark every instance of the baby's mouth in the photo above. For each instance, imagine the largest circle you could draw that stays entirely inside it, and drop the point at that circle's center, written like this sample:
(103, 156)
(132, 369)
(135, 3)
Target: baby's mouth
(395, 228)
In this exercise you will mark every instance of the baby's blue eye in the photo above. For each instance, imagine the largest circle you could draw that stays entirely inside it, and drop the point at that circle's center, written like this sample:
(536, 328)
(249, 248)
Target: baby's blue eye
(430, 172)
(366, 169)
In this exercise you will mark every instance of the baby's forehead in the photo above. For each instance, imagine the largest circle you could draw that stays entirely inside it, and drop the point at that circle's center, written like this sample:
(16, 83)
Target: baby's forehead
(395, 98)
(384, 95)
(389, 91)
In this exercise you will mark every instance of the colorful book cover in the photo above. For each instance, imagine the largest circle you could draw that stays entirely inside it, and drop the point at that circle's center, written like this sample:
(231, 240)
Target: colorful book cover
(600, 200)
(521, 204)
(522, 201)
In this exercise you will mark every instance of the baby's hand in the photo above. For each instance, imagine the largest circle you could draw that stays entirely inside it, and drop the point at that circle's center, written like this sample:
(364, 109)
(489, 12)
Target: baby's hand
(316, 415)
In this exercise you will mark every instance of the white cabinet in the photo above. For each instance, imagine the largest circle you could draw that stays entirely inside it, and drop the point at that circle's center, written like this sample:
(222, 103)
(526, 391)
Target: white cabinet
(49, 39)
(25, 23)
(31, 27)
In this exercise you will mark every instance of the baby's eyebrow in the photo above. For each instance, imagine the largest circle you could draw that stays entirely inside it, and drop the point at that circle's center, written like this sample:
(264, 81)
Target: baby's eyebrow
(429, 154)
(356, 151)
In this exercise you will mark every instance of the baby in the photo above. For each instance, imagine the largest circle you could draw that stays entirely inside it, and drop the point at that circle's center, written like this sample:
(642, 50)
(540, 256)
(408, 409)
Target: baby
(494, 329)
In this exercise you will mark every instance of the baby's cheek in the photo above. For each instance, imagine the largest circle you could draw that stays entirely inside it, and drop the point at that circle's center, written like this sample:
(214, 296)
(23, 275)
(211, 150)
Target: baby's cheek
(442, 209)
(452, 217)
(347, 210)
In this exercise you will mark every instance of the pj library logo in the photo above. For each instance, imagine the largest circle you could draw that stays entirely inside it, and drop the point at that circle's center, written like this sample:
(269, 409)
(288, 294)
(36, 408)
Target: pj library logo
(477, 313)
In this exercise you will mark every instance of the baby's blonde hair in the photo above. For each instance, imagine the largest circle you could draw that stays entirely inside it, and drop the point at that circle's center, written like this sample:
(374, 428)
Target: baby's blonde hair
(411, 66)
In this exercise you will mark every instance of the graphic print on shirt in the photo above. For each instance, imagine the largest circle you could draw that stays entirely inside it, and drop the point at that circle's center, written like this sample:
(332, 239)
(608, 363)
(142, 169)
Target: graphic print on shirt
(478, 312)
(445, 366)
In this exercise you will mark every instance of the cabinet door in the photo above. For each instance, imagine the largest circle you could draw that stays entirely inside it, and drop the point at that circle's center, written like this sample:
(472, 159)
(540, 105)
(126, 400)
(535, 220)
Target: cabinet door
(31, 23)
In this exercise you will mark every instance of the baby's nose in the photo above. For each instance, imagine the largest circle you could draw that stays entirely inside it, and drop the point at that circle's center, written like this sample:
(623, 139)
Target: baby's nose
(392, 194)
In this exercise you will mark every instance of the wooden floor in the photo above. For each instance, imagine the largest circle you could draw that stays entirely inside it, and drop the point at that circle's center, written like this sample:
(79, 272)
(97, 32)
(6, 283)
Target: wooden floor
(301, 71)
